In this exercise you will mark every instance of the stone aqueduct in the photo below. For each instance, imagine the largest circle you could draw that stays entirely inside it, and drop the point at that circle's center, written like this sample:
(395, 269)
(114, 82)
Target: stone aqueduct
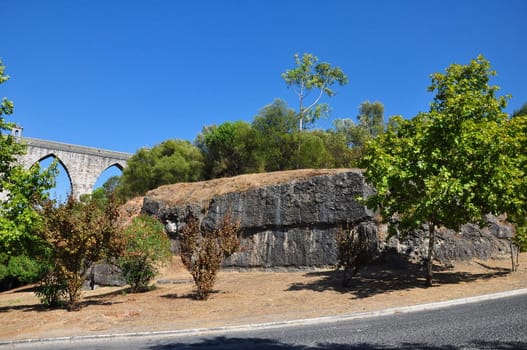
(83, 164)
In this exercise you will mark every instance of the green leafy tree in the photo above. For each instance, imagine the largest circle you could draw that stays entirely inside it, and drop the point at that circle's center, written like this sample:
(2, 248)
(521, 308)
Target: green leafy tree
(21, 192)
(448, 166)
(281, 147)
(311, 151)
(110, 186)
(513, 156)
(78, 235)
(273, 129)
(169, 162)
(311, 75)
(336, 147)
(370, 125)
(147, 247)
(104, 194)
(228, 149)
(16, 270)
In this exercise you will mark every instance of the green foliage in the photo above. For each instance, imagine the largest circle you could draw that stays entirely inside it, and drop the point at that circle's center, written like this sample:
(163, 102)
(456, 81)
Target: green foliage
(370, 125)
(23, 190)
(312, 152)
(514, 157)
(52, 289)
(309, 75)
(275, 143)
(20, 269)
(451, 165)
(169, 162)
(228, 149)
(520, 238)
(105, 194)
(7, 106)
(19, 217)
(147, 248)
(340, 155)
(280, 147)
(203, 251)
(78, 235)
(24, 268)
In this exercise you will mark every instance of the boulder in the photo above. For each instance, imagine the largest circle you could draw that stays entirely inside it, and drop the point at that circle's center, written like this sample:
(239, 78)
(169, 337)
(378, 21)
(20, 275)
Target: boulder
(288, 224)
(104, 274)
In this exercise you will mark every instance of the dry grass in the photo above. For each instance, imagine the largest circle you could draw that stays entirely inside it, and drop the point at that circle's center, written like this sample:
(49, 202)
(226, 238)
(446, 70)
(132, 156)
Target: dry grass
(183, 193)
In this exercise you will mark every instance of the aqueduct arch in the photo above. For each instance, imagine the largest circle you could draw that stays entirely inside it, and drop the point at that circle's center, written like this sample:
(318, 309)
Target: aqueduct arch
(83, 164)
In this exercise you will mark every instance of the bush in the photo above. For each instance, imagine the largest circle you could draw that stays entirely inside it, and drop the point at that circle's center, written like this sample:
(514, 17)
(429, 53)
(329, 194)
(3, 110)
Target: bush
(78, 235)
(52, 289)
(203, 251)
(353, 249)
(19, 269)
(146, 248)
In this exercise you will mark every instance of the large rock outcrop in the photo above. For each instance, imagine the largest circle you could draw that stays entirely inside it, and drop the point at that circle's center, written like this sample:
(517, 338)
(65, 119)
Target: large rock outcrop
(290, 219)
(289, 222)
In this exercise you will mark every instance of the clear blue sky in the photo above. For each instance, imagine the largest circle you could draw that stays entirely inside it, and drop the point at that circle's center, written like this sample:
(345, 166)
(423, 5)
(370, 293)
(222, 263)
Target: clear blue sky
(122, 75)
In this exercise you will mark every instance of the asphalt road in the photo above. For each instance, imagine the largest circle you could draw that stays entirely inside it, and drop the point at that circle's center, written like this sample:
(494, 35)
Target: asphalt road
(496, 324)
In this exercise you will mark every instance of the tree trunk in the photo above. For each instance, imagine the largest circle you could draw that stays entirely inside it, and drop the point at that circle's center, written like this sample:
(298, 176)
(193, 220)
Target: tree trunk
(429, 263)
(514, 256)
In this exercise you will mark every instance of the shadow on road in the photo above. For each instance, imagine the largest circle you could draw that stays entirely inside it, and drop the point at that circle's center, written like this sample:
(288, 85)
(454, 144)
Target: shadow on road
(260, 344)
(385, 277)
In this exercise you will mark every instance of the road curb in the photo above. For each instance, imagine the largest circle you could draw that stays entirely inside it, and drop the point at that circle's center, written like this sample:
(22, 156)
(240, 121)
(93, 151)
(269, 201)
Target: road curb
(276, 324)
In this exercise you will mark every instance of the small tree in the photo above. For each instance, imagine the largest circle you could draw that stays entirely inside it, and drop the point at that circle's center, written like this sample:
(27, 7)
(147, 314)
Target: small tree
(146, 248)
(78, 235)
(203, 251)
(310, 75)
(454, 164)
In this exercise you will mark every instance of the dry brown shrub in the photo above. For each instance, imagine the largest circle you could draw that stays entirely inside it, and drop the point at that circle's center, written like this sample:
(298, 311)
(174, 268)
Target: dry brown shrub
(353, 252)
(203, 251)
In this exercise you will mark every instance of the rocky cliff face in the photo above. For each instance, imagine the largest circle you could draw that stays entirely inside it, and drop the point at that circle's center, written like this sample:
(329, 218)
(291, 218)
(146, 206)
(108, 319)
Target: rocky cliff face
(293, 222)
(490, 240)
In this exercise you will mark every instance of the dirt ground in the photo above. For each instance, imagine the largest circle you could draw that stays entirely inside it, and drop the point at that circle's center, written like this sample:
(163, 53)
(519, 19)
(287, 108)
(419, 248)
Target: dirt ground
(249, 297)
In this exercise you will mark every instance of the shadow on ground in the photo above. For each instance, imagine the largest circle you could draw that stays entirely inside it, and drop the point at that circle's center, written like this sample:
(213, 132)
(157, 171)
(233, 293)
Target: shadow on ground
(101, 299)
(382, 277)
(260, 344)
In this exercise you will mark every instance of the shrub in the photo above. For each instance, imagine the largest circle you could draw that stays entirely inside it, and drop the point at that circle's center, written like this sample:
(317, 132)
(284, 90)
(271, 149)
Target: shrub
(52, 289)
(20, 269)
(25, 269)
(203, 251)
(78, 235)
(146, 248)
(353, 249)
